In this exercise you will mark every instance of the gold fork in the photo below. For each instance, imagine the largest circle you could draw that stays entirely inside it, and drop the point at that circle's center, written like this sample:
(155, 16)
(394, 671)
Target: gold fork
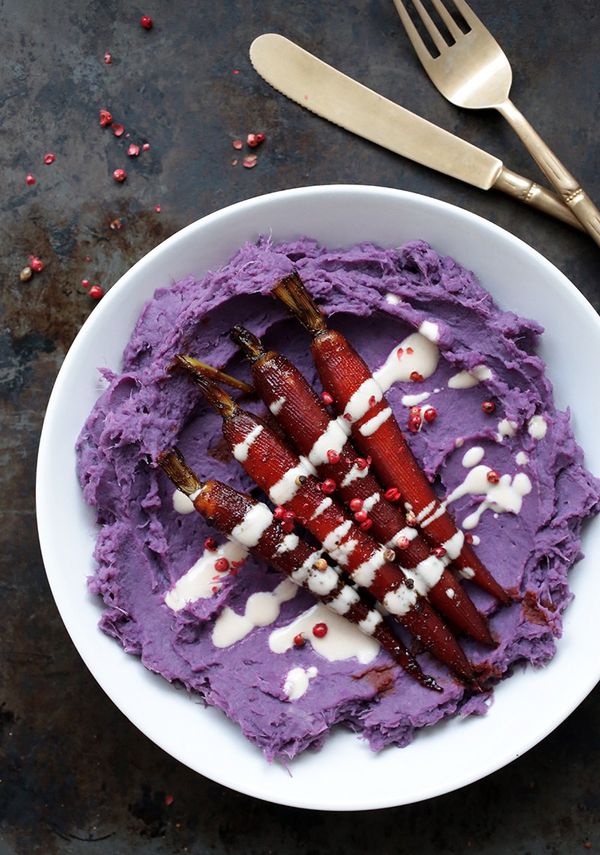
(474, 72)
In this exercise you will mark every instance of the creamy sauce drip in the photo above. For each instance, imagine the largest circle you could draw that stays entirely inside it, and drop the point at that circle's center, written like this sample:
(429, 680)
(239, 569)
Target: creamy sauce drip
(333, 438)
(284, 490)
(277, 405)
(343, 640)
(182, 503)
(261, 609)
(373, 424)
(537, 427)
(256, 521)
(355, 473)
(468, 379)
(414, 353)
(415, 400)
(393, 299)
(504, 497)
(241, 449)
(430, 330)
(473, 456)
(200, 580)
(297, 680)
(506, 427)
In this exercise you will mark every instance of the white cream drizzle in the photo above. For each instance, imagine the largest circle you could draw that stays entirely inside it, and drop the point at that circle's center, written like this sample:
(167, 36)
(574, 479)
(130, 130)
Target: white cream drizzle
(454, 544)
(366, 396)
(261, 609)
(344, 601)
(333, 438)
(537, 427)
(415, 400)
(370, 502)
(182, 503)
(428, 573)
(326, 503)
(407, 532)
(256, 521)
(297, 680)
(343, 640)
(467, 379)
(277, 405)
(400, 601)
(506, 427)
(521, 458)
(288, 544)
(355, 473)
(310, 469)
(439, 510)
(426, 511)
(373, 424)
(401, 363)
(342, 553)
(504, 497)
(365, 573)
(285, 489)
(337, 545)
(334, 537)
(473, 456)
(198, 582)
(393, 299)
(370, 623)
(241, 449)
(430, 330)
(300, 574)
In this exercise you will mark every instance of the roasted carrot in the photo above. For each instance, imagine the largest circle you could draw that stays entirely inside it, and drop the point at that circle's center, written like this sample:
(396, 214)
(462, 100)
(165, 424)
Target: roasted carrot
(290, 484)
(362, 404)
(325, 442)
(251, 524)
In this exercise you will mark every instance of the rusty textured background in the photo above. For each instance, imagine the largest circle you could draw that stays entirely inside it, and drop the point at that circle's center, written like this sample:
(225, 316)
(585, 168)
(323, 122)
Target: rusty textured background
(73, 770)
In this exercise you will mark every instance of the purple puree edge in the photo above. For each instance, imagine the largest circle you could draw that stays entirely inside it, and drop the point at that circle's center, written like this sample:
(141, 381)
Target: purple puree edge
(144, 546)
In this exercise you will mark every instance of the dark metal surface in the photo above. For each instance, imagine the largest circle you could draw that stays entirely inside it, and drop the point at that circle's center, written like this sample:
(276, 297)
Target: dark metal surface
(73, 769)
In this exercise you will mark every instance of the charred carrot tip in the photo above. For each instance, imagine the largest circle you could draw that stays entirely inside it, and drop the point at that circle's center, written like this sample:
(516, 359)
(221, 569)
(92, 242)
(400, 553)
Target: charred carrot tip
(292, 293)
(250, 344)
(214, 373)
(430, 683)
(174, 466)
(216, 397)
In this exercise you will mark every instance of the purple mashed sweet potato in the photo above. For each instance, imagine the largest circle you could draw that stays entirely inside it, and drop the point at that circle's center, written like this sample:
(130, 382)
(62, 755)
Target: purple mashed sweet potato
(377, 298)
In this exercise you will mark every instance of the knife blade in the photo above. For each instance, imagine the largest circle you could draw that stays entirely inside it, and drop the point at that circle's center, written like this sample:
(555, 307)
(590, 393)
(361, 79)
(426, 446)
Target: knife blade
(334, 96)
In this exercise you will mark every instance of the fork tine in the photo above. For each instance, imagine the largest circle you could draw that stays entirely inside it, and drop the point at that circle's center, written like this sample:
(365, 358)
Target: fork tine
(413, 34)
(468, 14)
(453, 28)
(439, 41)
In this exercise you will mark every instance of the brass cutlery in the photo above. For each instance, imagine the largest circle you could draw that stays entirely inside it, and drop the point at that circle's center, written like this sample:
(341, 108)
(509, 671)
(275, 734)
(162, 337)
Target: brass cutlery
(323, 90)
(474, 72)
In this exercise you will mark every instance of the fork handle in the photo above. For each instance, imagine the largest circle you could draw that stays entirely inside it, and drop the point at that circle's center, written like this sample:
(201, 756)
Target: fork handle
(567, 186)
(532, 194)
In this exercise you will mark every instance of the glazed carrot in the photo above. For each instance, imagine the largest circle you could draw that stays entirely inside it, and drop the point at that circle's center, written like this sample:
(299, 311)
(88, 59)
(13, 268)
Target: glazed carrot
(289, 483)
(325, 442)
(375, 431)
(251, 524)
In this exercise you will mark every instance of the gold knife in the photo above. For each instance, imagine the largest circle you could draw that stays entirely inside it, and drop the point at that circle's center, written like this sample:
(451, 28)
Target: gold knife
(332, 95)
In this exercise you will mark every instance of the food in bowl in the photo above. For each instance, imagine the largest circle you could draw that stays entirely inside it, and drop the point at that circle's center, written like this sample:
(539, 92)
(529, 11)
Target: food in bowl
(176, 594)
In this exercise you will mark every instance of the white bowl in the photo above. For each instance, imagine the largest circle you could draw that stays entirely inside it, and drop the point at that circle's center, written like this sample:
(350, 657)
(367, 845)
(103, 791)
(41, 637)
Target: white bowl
(345, 775)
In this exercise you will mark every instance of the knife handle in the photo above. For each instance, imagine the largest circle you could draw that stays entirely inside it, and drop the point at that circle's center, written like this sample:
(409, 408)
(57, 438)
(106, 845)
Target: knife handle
(532, 194)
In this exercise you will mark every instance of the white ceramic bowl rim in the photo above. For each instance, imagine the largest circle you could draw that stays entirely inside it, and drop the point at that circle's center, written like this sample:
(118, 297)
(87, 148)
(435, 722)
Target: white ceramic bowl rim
(554, 691)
